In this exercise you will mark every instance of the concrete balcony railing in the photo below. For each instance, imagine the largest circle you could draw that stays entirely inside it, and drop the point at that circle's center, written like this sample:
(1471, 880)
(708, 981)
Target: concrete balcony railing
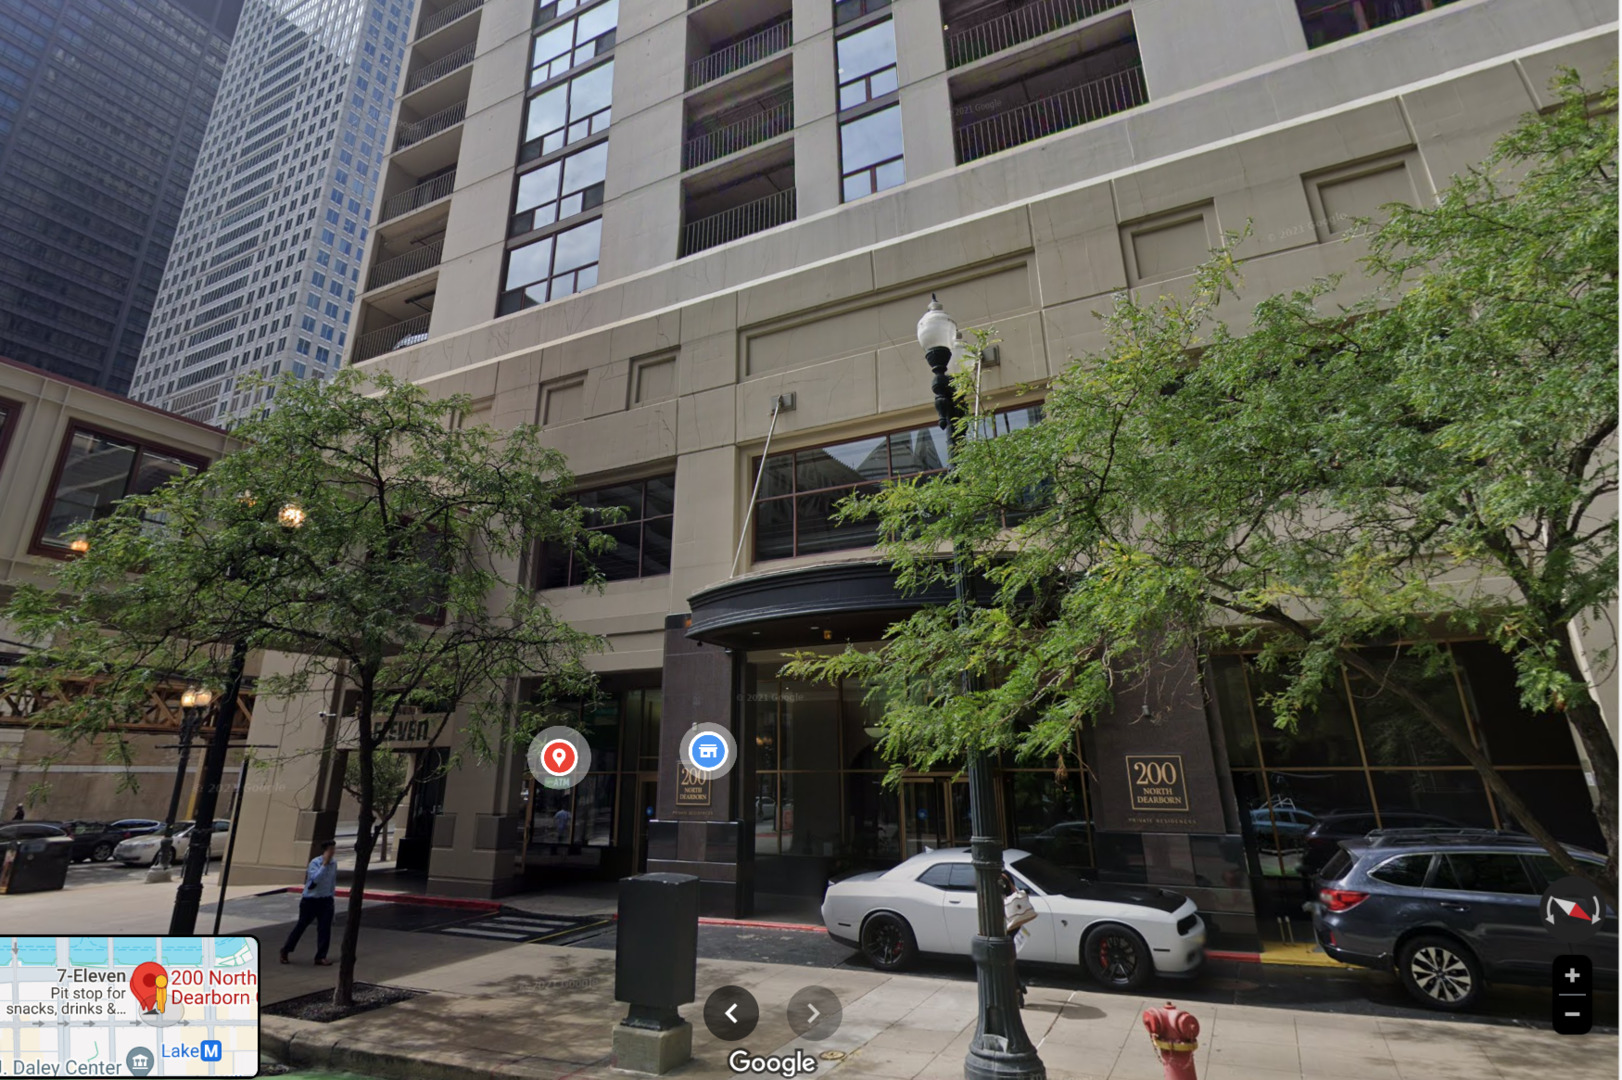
(713, 145)
(740, 54)
(1046, 116)
(421, 195)
(403, 266)
(398, 336)
(440, 68)
(971, 43)
(752, 217)
(407, 134)
(438, 20)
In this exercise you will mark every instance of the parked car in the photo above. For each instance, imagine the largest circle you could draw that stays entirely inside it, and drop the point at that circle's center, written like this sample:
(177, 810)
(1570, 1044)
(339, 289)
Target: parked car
(1290, 822)
(1450, 911)
(135, 826)
(91, 840)
(30, 830)
(1121, 934)
(143, 850)
(1323, 839)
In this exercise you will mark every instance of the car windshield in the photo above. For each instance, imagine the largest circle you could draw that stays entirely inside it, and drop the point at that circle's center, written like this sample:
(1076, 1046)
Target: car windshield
(1046, 876)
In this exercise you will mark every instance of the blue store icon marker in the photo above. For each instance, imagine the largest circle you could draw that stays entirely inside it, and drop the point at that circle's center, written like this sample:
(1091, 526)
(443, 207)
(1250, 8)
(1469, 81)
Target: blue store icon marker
(708, 751)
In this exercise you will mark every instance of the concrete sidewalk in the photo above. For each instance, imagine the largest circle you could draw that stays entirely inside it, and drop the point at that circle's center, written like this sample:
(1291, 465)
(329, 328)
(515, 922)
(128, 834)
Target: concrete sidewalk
(535, 1012)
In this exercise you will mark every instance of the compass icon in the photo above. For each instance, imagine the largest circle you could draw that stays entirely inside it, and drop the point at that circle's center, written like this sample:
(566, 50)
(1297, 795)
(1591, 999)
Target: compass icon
(1572, 910)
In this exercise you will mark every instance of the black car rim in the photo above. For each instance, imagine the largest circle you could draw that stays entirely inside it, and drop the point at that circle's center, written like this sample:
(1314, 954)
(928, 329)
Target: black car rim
(1117, 958)
(884, 941)
(1441, 975)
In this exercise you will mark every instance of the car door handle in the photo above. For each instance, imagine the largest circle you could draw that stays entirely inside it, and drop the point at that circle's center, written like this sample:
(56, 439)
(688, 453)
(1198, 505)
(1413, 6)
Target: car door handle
(954, 901)
(1455, 907)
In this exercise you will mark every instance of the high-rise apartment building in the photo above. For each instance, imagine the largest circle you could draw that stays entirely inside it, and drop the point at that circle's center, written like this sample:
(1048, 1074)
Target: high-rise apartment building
(266, 263)
(693, 239)
(103, 105)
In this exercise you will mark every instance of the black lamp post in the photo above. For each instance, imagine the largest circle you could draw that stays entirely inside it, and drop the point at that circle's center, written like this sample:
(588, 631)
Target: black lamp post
(189, 897)
(193, 706)
(1001, 1049)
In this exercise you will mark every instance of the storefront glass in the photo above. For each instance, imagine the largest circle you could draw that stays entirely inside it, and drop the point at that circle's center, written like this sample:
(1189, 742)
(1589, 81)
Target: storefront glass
(1365, 759)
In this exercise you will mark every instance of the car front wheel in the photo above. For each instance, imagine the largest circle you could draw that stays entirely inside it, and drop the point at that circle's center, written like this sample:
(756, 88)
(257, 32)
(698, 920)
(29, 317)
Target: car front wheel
(888, 942)
(102, 853)
(1117, 957)
(1440, 973)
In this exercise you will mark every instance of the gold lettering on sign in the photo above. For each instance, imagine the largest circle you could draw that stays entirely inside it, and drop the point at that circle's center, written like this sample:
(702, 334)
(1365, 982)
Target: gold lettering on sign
(692, 787)
(1155, 782)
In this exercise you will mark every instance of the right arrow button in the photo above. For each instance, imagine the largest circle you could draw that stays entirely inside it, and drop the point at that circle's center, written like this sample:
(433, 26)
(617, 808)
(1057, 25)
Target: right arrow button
(814, 1013)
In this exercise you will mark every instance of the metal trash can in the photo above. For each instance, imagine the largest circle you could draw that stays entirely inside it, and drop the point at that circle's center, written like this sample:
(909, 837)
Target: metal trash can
(37, 865)
(655, 971)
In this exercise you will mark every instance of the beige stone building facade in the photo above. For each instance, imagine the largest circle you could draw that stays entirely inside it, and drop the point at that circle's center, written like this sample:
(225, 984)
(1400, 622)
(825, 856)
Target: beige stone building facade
(650, 225)
(68, 452)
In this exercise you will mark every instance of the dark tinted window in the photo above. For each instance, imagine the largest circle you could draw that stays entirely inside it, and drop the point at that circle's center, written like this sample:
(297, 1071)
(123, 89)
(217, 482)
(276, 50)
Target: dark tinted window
(1408, 870)
(1046, 876)
(1483, 872)
(1336, 867)
(939, 875)
(962, 877)
(1551, 873)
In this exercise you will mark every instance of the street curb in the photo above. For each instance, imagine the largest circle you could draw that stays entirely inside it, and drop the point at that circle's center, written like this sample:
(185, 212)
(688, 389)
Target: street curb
(715, 920)
(1241, 957)
(422, 899)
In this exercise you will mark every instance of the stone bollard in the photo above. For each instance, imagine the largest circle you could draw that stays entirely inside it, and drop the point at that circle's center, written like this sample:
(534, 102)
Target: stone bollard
(655, 971)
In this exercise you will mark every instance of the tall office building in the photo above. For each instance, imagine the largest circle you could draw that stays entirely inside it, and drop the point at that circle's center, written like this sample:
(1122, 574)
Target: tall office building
(103, 104)
(267, 259)
(645, 224)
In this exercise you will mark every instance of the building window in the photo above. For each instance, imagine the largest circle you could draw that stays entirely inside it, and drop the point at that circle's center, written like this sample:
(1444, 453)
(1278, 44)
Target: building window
(9, 412)
(866, 62)
(1327, 21)
(800, 489)
(870, 153)
(570, 44)
(560, 189)
(551, 268)
(568, 112)
(641, 538)
(93, 472)
(848, 11)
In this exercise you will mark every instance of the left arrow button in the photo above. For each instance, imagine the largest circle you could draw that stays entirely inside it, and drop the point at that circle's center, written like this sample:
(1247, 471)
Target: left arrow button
(731, 1013)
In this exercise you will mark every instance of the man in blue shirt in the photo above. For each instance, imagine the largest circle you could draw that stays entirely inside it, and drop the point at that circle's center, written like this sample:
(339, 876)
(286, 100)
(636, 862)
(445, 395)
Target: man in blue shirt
(320, 885)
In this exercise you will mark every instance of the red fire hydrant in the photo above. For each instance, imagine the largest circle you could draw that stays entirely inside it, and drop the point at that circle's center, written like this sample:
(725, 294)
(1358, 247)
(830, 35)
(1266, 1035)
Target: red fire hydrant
(1175, 1035)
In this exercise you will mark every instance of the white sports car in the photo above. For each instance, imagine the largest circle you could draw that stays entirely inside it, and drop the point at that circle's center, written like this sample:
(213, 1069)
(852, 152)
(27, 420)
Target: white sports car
(1120, 933)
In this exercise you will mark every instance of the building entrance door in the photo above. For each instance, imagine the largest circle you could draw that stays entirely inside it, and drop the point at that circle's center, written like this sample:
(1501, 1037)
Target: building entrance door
(934, 814)
(647, 793)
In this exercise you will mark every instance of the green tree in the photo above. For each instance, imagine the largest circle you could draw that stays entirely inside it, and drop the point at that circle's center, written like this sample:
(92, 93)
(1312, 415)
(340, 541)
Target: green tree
(391, 779)
(362, 531)
(1436, 459)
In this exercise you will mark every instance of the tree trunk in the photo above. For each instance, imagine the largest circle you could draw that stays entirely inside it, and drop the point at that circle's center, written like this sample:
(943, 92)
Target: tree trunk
(1460, 741)
(343, 995)
(1598, 747)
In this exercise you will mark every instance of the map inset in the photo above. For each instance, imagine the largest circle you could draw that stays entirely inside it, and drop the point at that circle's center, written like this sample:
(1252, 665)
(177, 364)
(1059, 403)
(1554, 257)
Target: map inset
(129, 1006)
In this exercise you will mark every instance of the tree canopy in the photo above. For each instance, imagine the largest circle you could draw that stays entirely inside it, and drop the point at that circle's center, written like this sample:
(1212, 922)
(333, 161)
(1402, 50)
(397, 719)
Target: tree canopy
(1299, 478)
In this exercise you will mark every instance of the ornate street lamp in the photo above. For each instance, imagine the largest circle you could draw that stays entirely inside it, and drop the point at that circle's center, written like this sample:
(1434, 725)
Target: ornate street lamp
(1001, 1049)
(189, 896)
(193, 706)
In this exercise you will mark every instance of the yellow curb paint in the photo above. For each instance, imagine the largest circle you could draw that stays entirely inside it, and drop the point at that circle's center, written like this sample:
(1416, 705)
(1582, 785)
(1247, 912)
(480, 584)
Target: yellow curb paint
(1300, 955)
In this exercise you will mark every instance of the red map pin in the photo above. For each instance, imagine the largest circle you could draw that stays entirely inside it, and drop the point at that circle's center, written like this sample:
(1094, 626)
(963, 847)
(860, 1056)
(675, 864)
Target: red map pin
(144, 984)
(559, 757)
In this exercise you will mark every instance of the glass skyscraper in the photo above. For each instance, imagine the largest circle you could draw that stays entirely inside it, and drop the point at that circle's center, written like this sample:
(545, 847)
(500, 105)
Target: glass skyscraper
(267, 260)
(103, 106)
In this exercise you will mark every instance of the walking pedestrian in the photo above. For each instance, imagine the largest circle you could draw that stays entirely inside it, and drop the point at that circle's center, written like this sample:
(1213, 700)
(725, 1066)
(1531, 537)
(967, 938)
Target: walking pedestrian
(320, 886)
(19, 815)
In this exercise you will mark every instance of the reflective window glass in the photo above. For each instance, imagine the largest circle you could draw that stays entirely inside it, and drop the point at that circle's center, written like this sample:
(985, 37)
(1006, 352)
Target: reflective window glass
(866, 62)
(97, 471)
(642, 537)
(552, 267)
(572, 43)
(871, 153)
(560, 189)
(568, 112)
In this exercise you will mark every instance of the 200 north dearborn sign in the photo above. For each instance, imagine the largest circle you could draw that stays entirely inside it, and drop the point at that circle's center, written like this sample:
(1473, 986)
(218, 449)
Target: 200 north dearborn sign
(1155, 782)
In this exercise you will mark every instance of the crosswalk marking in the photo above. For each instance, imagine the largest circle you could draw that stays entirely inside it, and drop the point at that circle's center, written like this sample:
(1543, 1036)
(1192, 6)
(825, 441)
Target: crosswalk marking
(509, 926)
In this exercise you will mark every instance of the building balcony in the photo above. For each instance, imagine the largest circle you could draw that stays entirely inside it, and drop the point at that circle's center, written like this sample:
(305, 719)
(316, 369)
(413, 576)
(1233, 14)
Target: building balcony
(410, 132)
(983, 30)
(435, 70)
(421, 257)
(396, 335)
(434, 21)
(748, 194)
(735, 55)
(416, 197)
(1047, 101)
(738, 128)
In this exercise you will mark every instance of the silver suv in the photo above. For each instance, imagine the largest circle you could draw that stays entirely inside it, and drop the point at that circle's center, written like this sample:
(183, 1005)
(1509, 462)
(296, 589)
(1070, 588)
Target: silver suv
(1449, 910)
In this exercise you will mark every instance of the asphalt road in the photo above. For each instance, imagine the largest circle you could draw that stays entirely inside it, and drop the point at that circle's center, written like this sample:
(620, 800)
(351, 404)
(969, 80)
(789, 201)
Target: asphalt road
(1343, 990)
